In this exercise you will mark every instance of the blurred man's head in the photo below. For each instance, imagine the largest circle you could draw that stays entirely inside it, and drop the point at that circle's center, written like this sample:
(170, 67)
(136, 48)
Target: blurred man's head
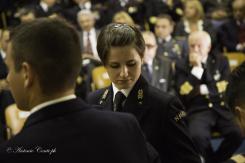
(151, 46)
(200, 43)
(25, 14)
(44, 59)
(164, 26)
(239, 10)
(86, 20)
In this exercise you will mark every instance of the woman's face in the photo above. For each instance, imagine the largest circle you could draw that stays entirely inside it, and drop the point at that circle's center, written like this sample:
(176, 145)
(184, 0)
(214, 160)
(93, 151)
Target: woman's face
(190, 10)
(123, 66)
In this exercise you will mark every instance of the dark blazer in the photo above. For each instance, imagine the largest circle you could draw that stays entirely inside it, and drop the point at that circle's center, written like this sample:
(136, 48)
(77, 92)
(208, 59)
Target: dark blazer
(161, 118)
(75, 131)
(216, 71)
(228, 35)
(173, 49)
(161, 76)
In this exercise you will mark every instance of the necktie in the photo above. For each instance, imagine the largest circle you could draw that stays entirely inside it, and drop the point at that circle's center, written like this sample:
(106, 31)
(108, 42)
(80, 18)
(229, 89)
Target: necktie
(147, 72)
(88, 47)
(118, 101)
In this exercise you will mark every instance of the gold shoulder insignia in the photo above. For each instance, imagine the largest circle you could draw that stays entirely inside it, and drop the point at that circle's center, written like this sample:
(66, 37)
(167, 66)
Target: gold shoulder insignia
(153, 19)
(186, 88)
(179, 116)
(221, 86)
(104, 96)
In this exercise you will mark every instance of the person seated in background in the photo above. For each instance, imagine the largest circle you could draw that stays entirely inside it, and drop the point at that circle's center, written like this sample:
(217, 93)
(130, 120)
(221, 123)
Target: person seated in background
(232, 33)
(194, 20)
(123, 17)
(161, 116)
(6, 98)
(201, 82)
(157, 70)
(25, 14)
(44, 60)
(167, 45)
(87, 34)
(47, 8)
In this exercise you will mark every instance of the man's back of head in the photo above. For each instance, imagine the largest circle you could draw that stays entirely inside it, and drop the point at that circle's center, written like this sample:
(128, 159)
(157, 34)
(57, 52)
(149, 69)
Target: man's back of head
(47, 51)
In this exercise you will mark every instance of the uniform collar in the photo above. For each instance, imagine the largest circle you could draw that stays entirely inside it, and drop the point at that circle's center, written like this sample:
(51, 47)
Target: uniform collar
(124, 91)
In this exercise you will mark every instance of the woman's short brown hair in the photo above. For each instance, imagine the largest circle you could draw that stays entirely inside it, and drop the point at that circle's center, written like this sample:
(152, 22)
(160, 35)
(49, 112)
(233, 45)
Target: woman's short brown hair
(119, 35)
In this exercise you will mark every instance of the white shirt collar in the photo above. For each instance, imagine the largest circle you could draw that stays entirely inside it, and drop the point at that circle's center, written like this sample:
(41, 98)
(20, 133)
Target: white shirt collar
(44, 6)
(51, 102)
(124, 91)
(168, 38)
(3, 54)
(86, 5)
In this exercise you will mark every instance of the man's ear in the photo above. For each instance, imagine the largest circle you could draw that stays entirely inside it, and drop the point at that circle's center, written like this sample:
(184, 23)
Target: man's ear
(28, 74)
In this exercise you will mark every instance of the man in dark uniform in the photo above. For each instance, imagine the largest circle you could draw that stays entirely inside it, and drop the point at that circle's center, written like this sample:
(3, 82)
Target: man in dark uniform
(157, 70)
(201, 83)
(161, 116)
(167, 45)
(47, 8)
(44, 60)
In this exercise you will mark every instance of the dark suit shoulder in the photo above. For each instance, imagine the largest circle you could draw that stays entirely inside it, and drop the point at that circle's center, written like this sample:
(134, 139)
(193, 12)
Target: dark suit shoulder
(94, 97)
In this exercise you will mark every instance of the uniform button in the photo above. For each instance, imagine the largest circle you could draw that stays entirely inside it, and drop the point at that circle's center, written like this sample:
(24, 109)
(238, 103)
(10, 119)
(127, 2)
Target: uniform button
(207, 96)
(221, 96)
(210, 105)
(222, 103)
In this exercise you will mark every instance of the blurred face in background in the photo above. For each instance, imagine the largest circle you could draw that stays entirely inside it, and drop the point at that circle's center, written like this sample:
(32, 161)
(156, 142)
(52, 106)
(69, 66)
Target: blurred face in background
(200, 44)
(86, 21)
(163, 28)
(190, 10)
(151, 46)
(123, 65)
(239, 10)
(4, 38)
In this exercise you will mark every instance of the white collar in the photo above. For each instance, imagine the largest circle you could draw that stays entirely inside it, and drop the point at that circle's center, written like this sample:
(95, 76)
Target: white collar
(187, 26)
(86, 5)
(124, 91)
(168, 38)
(44, 6)
(3, 54)
(51, 102)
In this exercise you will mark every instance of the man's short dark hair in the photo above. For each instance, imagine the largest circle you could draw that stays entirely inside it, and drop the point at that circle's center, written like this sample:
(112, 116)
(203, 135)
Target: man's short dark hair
(235, 93)
(51, 47)
(119, 35)
(168, 17)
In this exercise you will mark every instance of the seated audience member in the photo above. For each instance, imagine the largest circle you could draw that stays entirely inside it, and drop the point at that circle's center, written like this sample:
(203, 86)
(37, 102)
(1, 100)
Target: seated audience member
(47, 8)
(157, 70)
(123, 17)
(162, 118)
(25, 14)
(232, 33)
(87, 34)
(194, 20)
(167, 45)
(44, 60)
(5, 96)
(201, 83)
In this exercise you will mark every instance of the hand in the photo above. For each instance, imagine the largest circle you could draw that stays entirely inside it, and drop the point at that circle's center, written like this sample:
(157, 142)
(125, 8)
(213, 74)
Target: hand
(195, 59)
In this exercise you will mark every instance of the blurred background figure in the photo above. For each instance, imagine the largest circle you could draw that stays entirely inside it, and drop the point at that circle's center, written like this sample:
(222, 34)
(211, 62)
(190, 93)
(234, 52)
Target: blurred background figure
(232, 33)
(157, 70)
(167, 45)
(47, 8)
(25, 14)
(201, 84)
(123, 17)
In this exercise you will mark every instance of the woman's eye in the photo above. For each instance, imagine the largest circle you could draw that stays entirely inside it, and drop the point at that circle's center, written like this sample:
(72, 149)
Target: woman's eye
(131, 64)
(114, 66)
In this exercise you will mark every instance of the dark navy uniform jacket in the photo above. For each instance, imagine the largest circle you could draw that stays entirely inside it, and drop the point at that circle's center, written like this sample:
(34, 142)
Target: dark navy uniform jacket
(72, 130)
(215, 76)
(161, 118)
